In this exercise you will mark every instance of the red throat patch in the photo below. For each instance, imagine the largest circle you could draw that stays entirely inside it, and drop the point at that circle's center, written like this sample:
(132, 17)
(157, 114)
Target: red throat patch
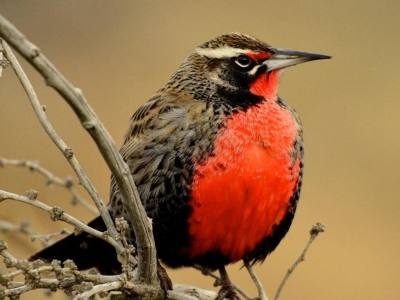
(266, 85)
(242, 192)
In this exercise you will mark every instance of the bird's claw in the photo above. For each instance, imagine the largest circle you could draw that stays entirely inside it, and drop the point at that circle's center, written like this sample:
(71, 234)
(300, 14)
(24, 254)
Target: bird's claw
(227, 292)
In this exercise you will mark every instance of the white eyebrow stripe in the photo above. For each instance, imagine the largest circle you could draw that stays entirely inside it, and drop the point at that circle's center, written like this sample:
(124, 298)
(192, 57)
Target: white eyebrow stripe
(222, 52)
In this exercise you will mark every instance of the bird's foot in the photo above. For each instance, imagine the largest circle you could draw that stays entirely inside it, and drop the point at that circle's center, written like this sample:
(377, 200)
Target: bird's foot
(165, 281)
(227, 292)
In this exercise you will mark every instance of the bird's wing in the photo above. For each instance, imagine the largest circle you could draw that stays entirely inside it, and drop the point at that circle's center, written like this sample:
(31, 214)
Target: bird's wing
(154, 120)
(158, 135)
(142, 116)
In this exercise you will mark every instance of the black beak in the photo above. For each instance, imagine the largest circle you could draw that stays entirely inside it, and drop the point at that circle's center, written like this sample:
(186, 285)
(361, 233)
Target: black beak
(283, 58)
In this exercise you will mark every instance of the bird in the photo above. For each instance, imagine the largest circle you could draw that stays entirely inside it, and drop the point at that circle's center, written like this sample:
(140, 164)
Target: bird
(217, 158)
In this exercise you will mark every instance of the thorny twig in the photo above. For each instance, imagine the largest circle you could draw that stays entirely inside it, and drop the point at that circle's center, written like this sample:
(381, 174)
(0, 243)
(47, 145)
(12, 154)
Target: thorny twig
(67, 183)
(89, 120)
(316, 229)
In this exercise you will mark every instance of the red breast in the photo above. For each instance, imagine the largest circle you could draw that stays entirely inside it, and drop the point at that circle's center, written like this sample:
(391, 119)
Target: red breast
(243, 190)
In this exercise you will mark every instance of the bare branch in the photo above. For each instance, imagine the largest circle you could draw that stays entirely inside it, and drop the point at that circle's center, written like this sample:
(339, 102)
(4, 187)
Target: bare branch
(51, 276)
(89, 120)
(23, 228)
(59, 142)
(3, 61)
(100, 288)
(186, 292)
(67, 183)
(82, 284)
(46, 238)
(316, 229)
(57, 214)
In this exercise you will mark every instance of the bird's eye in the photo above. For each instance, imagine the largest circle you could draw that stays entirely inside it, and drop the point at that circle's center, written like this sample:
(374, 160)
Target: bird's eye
(243, 61)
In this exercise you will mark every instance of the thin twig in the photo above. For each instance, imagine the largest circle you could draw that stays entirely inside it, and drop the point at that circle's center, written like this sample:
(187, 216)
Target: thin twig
(100, 288)
(57, 214)
(316, 229)
(3, 61)
(260, 289)
(67, 183)
(89, 120)
(25, 229)
(46, 238)
(59, 142)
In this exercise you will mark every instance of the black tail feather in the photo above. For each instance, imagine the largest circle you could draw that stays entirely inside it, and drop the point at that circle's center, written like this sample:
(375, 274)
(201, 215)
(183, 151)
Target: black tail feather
(85, 250)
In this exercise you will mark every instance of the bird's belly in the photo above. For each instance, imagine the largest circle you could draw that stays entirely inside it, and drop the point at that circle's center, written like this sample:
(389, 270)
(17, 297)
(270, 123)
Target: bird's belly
(242, 192)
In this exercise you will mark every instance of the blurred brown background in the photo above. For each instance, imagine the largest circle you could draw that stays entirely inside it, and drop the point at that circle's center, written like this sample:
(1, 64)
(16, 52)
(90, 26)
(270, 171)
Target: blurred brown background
(120, 52)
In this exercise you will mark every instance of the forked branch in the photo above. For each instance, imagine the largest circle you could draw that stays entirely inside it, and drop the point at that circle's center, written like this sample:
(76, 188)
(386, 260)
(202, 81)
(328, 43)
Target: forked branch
(89, 120)
(57, 214)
